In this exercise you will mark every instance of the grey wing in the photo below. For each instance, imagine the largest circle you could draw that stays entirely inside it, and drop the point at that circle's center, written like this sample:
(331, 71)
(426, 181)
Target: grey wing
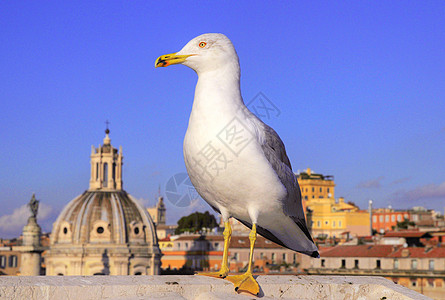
(275, 152)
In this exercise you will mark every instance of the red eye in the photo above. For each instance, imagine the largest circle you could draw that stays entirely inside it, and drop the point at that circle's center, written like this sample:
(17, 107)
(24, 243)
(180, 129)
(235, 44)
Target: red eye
(202, 44)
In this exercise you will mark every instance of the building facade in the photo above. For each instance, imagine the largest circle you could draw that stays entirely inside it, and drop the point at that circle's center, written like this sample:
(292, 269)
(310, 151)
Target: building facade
(204, 253)
(314, 186)
(419, 268)
(9, 260)
(332, 219)
(385, 219)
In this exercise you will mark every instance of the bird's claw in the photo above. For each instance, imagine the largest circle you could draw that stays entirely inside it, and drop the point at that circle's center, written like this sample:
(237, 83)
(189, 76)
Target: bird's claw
(245, 283)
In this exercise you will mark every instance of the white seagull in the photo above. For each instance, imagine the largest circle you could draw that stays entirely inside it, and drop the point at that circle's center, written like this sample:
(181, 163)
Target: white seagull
(237, 163)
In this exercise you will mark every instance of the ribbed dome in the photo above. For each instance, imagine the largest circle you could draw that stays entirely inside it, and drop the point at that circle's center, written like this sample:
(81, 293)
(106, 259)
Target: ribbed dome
(104, 217)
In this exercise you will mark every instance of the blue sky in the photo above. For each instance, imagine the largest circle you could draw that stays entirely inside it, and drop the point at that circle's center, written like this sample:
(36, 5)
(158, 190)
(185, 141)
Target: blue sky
(359, 86)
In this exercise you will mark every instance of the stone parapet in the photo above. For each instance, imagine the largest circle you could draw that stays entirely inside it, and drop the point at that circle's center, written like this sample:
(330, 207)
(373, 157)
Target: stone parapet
(199, 287)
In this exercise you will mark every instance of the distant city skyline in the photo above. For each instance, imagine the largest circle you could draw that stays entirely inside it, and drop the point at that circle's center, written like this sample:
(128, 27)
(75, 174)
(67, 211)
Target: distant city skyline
(355, 91)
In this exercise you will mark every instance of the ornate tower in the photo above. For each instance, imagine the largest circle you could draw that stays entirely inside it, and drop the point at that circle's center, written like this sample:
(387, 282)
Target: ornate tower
(161, 211)
(106, 166)
(158, 212)
(31, 249)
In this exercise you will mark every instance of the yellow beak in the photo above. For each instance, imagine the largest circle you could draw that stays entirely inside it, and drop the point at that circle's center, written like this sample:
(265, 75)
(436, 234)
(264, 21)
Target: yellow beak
(170, 59)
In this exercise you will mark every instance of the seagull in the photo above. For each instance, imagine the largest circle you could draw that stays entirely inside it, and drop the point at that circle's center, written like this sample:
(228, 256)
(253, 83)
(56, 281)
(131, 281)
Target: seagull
(236, 162)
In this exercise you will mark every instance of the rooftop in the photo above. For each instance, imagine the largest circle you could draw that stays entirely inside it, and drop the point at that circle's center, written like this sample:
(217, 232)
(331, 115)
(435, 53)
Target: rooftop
(383, 251)
(407, 234)
(309, 175)
(358, 251)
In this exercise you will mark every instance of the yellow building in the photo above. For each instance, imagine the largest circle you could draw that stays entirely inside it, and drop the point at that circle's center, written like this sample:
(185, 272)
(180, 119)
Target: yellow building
(330, 217)
(314, 186)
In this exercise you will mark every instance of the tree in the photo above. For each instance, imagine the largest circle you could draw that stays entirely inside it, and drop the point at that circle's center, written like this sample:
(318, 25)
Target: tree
(196, 222)
(405, 224)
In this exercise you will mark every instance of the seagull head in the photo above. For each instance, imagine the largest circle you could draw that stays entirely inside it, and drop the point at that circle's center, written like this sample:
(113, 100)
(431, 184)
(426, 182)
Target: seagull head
(206, 52)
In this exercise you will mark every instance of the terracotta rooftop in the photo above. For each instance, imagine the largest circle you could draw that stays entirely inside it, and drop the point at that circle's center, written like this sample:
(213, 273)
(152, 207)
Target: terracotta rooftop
(383, 251)
(419, 252)
(406, 234)
(235, 242)
(358, 251)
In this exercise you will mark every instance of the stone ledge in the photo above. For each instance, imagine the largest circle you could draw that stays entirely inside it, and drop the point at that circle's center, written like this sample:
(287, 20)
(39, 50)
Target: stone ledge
(199, 287)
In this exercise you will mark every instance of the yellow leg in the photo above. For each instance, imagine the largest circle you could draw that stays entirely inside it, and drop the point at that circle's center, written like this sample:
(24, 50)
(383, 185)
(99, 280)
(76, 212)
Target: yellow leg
(246, 282)
(225, 261)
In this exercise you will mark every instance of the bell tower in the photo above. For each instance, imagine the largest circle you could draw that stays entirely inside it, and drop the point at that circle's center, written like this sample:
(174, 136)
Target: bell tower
(106, 166)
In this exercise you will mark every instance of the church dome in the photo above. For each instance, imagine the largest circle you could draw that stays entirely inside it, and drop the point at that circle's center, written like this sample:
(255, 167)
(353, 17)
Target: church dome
(106, 217)
(104, 230)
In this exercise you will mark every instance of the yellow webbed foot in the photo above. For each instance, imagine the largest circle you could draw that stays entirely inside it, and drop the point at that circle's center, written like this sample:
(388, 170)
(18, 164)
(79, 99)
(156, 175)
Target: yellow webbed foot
(245, 283)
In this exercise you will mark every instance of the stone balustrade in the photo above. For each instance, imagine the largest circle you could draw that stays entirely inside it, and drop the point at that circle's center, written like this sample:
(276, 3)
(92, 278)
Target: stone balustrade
(199, 287)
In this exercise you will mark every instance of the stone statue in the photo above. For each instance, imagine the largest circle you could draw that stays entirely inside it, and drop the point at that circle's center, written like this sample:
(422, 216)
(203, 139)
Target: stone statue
(34, 206)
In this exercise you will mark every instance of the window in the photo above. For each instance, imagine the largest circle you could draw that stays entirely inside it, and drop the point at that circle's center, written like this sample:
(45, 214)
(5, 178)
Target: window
(179, 245)
(305, 197)
(386, 218)
(321, 189)
(414, 264)
(236, 256)
(430, 282)
(374, 219)
(313, 196)
(216, 245)
(343, 263)
(328, 190)
(333, 223)
(2, 261)
(318, 224)
(273, 257)
(381, 218)
(393, 218)
(186, 246)
(313, 190)
(326, 222)
(339, 223)
(13, 261)
(284, 256)
(431, 264)
(323, 263)
(261, 255)
(356, 264)
(378, 264)
(105, 175)
(294, 258)
(399, 218)
(97, 171)
(396, 264)
(413, 282)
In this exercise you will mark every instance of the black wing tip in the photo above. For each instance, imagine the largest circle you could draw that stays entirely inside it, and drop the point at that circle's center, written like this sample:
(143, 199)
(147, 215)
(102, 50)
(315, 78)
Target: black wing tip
(315, 254)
